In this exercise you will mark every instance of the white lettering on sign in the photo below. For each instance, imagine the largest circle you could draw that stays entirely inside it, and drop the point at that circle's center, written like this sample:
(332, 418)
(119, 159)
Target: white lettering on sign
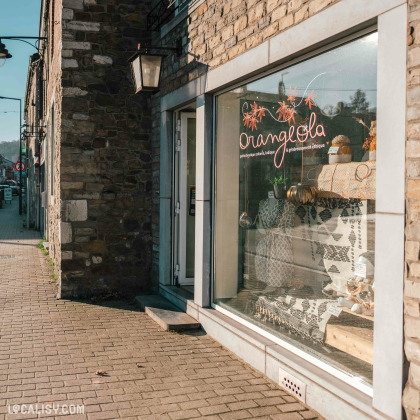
(333, 150)
(334, 310)
(360, 269)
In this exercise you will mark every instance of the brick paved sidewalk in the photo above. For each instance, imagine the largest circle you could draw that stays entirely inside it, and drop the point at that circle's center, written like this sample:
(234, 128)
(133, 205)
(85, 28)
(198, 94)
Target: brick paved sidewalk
(50, 350)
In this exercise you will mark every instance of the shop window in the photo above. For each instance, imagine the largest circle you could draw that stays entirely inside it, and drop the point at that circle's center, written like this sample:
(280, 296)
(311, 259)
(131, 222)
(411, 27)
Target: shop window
(295, 204)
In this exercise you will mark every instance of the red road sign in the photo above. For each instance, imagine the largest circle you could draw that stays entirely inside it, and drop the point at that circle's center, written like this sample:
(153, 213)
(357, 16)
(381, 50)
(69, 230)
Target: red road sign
(20, 166)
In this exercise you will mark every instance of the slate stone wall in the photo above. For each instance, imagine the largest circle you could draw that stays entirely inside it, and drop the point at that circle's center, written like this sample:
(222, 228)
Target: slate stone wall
(105, 151)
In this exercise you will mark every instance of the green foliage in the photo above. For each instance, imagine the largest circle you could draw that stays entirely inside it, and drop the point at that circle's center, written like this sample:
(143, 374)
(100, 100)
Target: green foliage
(41, 247)
(45, 252)
(279, 180)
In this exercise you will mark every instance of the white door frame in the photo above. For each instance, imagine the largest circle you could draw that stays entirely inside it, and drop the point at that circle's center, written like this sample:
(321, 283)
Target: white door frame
(181, 185)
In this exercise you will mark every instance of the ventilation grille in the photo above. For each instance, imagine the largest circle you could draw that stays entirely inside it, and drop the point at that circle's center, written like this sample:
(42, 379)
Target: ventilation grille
(292, 385)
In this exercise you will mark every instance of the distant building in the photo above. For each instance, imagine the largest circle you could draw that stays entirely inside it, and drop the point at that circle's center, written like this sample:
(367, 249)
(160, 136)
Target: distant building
(6, 169)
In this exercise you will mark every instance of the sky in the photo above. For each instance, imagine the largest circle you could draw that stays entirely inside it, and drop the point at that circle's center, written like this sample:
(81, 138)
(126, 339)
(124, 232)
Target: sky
(20, 18)
(337, 72)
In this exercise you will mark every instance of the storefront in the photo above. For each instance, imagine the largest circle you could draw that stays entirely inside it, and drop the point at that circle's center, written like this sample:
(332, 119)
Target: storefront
(303, 183)
(284, 215)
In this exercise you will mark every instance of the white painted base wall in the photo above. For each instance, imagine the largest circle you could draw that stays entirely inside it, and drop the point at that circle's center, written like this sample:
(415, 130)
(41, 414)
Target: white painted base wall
(326, 394)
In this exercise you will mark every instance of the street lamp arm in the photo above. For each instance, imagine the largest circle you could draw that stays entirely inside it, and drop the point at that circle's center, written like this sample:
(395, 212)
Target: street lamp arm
(26, 42)
(22, 39)
(13, 99)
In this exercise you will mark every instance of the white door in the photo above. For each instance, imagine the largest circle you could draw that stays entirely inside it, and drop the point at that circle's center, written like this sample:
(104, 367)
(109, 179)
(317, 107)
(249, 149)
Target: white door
(185, 200)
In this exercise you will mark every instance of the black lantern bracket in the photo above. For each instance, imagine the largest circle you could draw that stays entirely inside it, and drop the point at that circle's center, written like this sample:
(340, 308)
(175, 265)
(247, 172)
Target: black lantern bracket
(147, 49)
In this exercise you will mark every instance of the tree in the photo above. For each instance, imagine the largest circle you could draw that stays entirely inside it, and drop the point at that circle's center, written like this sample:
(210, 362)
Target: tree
(358, 103)
(10, 150)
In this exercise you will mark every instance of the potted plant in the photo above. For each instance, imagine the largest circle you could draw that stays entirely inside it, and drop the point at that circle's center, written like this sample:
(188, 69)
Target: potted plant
(370, 142)
(279, 183)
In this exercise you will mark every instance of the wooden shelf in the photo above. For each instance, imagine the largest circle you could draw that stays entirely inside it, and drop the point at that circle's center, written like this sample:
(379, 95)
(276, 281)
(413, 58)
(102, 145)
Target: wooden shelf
(354, 340)
(348, 311)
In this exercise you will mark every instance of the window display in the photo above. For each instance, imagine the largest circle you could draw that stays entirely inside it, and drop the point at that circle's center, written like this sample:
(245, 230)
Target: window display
(295, 204)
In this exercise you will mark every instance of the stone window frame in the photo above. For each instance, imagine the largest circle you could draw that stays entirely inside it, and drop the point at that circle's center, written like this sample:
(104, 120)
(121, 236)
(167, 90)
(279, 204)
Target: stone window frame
(390, 16)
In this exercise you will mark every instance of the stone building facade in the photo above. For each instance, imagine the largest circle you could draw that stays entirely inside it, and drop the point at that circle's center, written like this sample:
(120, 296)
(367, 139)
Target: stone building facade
(32, 134)
(110, 220)
(215, 33)
(97, 193)
(412, 276)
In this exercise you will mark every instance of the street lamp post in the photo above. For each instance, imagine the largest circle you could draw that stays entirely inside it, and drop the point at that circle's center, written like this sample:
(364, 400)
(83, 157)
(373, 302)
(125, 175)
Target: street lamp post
(20, 148)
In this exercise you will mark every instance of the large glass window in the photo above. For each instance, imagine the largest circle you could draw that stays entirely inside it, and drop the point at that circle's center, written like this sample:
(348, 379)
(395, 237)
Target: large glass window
(295, 204)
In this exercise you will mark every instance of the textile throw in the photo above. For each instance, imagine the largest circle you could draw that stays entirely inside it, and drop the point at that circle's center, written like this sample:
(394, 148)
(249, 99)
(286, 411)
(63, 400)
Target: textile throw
(274, 253)
(334, 232)
(306, 317)
(274, 259)
(273, 213)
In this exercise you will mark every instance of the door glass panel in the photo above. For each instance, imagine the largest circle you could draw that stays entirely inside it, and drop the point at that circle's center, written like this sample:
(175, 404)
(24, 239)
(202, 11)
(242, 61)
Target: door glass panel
(190, 186)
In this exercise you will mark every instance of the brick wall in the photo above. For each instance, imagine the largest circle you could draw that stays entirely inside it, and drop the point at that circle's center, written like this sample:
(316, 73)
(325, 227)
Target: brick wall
(411, 398)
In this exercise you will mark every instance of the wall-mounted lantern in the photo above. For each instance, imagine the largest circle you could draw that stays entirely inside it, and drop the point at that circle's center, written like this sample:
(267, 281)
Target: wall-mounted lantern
(4, 53)
(146, 67)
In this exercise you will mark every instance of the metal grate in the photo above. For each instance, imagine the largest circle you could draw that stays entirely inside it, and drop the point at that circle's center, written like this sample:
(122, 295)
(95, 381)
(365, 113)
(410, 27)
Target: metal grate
(6, 257)
(292, 385)
(164, 11)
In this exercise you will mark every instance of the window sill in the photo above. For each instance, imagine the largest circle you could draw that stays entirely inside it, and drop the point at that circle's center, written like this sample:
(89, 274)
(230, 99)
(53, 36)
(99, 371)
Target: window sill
(180, 17)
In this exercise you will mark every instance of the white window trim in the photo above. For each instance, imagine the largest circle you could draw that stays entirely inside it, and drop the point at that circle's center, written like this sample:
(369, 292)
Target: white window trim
(390, 209)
